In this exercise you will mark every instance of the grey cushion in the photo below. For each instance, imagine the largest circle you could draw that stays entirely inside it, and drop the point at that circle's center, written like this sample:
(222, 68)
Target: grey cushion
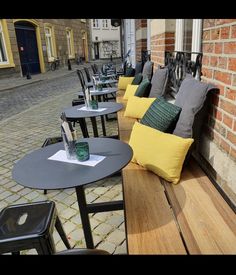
(138, 67)
(147, 70)
(190, 97)
(159, 81)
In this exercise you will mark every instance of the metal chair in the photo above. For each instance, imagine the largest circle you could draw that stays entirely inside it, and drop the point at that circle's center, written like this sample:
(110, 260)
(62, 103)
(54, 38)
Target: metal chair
(83, 251)
(30, 225)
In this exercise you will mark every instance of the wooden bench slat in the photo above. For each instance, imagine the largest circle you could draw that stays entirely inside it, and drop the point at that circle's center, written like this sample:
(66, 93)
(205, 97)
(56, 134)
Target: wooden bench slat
(150, 229)
(207, 223)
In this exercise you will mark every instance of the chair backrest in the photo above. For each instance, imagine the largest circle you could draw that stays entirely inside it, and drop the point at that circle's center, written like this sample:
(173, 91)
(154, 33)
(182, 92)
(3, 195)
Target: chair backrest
(96, 68)
(81, 78)
(87, 74)
(93, 69)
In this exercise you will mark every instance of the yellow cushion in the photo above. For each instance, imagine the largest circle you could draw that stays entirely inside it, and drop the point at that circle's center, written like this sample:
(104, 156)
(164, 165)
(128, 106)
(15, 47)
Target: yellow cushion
(159, 152)
(130, 91)
(124, 81)
(137, 106)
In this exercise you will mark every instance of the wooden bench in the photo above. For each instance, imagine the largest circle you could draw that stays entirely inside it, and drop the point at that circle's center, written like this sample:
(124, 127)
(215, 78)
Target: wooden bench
(162, 218)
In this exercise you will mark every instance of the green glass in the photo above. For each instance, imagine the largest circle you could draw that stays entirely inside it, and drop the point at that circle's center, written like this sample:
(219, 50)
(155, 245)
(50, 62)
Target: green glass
(82, 150)
(94, 104)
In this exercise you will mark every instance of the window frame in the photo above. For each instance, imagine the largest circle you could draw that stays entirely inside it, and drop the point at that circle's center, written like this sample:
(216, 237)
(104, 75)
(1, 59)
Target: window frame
(71, 50)
(196, 36)
(106, 25)
(53, 42)
(96, 26)
(6, 46)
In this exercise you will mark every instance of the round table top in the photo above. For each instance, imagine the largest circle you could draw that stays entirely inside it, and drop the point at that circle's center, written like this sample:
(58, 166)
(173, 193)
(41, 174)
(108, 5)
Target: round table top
(105, 91)
(35, 170)
(75, 112)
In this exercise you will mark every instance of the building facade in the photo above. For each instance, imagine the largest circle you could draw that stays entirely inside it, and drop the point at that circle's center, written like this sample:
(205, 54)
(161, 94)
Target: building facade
(105, 38)
(30, 45)
(216, 40)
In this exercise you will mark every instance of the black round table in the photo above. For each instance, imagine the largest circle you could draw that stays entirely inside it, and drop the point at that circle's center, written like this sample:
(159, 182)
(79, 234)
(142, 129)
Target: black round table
(76, 114)
(36, 171)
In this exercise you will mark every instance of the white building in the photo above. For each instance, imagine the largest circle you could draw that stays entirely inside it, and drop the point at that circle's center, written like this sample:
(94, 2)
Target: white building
(105, 39)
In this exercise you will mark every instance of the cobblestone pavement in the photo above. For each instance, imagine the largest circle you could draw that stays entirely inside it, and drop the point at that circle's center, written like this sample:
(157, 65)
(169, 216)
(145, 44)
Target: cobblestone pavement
(25, 132)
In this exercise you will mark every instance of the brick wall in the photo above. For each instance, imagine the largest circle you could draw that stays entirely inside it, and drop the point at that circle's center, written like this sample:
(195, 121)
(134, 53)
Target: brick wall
(219, 67)
(159, 44)
(141, 42)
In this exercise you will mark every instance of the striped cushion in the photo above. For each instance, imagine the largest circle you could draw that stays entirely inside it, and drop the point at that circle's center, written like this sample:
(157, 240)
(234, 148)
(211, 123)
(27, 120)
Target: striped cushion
(161, 115)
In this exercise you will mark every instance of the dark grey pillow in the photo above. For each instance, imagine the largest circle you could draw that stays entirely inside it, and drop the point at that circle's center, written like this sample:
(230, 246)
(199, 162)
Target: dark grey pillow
(190, 97)
(159, 81)
(138, 67)
(147, 70)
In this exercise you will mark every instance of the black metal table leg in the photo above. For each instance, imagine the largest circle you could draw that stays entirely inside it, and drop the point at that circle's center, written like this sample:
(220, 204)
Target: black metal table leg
(103, 126)
(83, 127)
(95, 128)
(84, 216)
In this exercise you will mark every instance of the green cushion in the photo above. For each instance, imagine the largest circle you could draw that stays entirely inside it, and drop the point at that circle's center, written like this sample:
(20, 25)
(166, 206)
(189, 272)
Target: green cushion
(161, 115)
(137, 79)
(143, 88)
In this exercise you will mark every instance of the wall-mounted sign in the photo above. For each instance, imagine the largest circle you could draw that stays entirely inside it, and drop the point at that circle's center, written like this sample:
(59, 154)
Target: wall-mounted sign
(115, 22)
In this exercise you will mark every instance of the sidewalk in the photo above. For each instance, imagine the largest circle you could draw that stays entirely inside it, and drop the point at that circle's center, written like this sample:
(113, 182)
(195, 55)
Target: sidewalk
(14, 82)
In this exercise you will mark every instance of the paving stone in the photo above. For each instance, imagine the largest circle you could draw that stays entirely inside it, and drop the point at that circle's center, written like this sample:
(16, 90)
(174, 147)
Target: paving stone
(116, 237)
(68, 213)
(103, 229)
(102, 216)
(121, 249)
(109, 247)
(115, 220)
(12, 198)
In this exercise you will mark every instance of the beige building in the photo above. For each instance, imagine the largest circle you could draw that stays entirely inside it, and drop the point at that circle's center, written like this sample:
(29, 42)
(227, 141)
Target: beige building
(105, 39)
(30, 45)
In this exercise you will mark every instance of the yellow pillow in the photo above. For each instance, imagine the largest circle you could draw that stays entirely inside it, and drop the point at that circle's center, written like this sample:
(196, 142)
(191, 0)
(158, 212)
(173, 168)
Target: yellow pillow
(124, 81)
(130, 91)
(137, 106)
(159, 152)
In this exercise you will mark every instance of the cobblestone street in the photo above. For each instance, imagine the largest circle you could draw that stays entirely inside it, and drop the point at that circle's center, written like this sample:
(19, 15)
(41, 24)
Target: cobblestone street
(29, 115)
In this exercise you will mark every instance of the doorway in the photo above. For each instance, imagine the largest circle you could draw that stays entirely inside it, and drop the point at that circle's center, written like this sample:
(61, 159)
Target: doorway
(96, 50)
(27, 46)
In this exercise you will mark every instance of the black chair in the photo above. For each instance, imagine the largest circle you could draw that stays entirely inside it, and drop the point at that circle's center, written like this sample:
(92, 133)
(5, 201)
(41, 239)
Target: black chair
(28, 226)
(93, 69)
(89, 82)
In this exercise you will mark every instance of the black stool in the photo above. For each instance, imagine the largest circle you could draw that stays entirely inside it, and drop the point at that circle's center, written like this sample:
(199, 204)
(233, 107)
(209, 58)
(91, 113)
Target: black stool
(30, 225)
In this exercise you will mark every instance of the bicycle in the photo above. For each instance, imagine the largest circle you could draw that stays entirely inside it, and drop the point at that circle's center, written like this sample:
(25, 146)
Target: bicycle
(55, 64)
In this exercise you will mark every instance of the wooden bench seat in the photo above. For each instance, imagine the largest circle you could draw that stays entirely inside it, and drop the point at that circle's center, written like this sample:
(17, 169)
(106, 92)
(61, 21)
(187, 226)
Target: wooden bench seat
(162, 218)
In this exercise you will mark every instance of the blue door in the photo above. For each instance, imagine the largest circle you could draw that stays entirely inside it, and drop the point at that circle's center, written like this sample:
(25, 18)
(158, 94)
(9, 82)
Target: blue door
(28, 49)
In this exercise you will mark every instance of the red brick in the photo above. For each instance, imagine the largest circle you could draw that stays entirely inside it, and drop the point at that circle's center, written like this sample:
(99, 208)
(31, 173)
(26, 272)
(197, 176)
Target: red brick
(205, 60)
(233, 31)
(218, 47)
(230, 94)
(234, 126)
(234, 80)
(227, 120)
(207, 72)
(222, 62)
(218, 114)
(224, 33)
(224, 21)
(209, 23)
(215, 99)
(215, 34)
(169, 41)
(169, 34)
(232, 64)
(206, 35)
(221, 89)
(213, 61)
(230, 47)
(223, 77)
(231, 137)
(208, 47)
(233, 153)
(225, 146)
(228, 107)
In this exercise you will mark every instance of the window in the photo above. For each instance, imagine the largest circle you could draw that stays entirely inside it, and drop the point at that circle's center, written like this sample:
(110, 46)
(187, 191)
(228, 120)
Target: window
(188, 35)
(95, 23)
(50, 43)
(3, 51)
(105, 23)
(70, 43)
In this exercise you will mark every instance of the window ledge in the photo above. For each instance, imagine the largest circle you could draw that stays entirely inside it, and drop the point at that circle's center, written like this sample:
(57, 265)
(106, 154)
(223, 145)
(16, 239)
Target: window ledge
(12, 65)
